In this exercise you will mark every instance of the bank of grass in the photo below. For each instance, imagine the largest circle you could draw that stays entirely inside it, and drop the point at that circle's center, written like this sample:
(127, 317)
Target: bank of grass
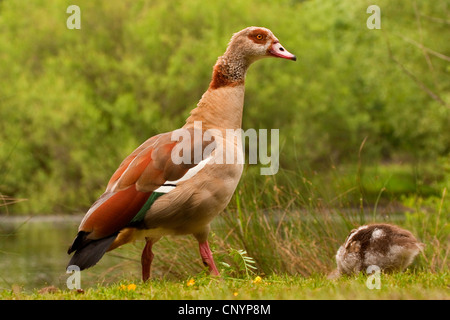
(287, 234)
(412, 284)
(296, 227)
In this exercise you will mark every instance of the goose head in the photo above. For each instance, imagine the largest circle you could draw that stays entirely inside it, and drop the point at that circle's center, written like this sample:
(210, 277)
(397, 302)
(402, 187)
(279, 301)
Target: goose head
(254, 43)
(244, 48)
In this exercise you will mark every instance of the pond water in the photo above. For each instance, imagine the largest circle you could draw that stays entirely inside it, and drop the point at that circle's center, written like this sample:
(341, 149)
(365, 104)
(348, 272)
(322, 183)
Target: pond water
(33, 254)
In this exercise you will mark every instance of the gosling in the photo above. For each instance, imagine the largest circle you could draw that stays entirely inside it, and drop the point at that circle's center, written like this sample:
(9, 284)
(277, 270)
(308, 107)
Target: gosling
(387, 246)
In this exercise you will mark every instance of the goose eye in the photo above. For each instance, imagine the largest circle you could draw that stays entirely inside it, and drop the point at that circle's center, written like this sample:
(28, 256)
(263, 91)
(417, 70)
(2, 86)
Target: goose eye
(259, 37)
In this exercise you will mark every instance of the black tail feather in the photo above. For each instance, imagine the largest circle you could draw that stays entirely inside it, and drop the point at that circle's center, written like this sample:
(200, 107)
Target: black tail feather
(79, 242)
(89, 252)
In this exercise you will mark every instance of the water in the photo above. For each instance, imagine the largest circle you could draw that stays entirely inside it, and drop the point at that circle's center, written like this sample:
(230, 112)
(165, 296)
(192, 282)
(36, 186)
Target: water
(33, 254)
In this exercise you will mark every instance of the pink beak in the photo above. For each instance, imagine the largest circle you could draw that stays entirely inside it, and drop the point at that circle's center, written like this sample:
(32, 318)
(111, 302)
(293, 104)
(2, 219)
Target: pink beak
(277, 50)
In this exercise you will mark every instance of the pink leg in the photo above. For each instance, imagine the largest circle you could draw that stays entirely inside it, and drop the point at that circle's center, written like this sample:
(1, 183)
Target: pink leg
(207, 258)
(146, 260)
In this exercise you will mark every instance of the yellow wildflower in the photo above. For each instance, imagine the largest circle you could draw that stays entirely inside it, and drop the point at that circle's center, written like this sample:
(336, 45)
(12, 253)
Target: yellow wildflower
(235, 294)
(130, 287)
(191, 282)
(257, 279)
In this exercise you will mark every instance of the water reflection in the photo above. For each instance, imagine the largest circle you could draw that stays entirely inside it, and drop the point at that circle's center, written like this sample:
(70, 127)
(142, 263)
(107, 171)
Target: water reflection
(33, 254)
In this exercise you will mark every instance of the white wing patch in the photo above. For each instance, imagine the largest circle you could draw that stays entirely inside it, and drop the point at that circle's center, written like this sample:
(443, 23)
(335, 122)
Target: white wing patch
(170, 185)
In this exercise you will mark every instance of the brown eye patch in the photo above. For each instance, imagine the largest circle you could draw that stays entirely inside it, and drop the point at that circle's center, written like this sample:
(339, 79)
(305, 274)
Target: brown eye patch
(258, 36)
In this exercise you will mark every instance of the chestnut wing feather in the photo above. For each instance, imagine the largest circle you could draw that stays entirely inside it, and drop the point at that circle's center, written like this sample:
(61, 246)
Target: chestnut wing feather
(143, 171)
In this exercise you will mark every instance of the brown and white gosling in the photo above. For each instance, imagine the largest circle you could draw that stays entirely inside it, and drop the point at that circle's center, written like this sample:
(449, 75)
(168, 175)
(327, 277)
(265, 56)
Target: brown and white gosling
(387, 246)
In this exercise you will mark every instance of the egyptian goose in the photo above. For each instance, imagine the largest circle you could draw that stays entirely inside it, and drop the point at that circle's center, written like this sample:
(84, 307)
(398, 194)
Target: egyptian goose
(387, 246)
(153, 193)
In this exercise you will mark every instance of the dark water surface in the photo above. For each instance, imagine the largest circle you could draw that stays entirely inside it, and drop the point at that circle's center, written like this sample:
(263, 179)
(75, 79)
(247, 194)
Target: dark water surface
(33, 253)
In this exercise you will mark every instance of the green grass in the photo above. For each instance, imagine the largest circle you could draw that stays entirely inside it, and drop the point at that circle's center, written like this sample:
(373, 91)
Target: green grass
(296, 226)
(287, 234)
(407, 285)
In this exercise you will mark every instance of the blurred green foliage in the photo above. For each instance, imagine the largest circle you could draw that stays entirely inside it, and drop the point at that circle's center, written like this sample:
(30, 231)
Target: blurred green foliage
(74, 103)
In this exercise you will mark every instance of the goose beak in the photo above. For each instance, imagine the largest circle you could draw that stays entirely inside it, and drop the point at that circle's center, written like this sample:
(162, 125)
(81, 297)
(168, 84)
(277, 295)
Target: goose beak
(277, 50)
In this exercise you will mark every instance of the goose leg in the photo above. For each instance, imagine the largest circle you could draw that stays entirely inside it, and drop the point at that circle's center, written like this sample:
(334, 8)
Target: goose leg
(207, 258)
(146, 259)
